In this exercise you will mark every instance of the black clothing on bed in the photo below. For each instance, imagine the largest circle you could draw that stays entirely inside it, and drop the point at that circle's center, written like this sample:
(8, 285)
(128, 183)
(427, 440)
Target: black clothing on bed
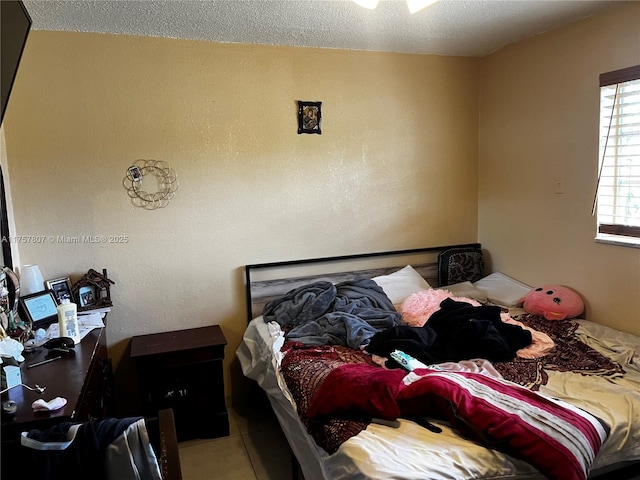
(458, 331)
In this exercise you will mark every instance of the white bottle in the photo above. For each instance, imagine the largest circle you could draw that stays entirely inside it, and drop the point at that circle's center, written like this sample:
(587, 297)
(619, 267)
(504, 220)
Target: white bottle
(68, 320)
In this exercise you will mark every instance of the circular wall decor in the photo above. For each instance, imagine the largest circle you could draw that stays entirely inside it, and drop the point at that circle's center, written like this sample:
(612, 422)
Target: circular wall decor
(154, 175)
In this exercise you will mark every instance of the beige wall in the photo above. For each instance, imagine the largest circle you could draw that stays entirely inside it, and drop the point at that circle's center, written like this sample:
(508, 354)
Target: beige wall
(395, 166)
(539, 103)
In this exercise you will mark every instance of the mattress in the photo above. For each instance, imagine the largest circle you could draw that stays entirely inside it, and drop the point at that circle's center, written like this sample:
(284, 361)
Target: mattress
(407, 452)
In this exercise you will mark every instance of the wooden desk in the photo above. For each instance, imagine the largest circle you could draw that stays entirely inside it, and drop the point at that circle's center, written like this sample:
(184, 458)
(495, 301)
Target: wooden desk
(83, 379)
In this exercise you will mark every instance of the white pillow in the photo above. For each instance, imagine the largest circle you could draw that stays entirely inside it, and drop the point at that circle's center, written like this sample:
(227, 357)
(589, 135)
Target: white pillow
(467, 290)
(502, 289)
(399, 285)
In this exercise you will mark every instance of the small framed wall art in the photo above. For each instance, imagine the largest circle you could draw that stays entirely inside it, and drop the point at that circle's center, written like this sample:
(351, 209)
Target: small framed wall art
(309, 117)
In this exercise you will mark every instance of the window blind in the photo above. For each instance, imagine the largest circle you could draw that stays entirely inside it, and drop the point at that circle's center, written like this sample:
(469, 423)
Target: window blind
(618, 192)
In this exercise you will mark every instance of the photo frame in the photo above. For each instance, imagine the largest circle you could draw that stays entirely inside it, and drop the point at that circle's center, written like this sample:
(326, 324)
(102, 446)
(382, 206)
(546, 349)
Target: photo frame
(87, 296)
(41, 308)
(309, 117)
(135, 173)
(93, 290)
(61, 288)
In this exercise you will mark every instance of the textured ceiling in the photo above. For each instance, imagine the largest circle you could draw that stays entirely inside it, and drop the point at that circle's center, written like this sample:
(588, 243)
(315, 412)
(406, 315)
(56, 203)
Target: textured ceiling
(449, 27)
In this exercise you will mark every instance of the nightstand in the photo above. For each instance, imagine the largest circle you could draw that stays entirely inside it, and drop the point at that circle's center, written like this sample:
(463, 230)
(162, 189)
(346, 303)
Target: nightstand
(182, 370)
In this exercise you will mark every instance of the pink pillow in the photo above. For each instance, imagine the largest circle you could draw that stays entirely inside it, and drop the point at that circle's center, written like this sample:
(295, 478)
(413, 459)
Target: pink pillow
(555, 302)
(419, 306)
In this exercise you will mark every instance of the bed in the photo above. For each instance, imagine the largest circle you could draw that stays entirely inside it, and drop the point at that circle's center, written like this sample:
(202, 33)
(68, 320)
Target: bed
(347, 417)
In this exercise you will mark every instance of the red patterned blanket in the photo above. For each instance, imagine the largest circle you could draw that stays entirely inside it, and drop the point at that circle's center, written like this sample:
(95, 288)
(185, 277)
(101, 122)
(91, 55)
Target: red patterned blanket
(306, 368)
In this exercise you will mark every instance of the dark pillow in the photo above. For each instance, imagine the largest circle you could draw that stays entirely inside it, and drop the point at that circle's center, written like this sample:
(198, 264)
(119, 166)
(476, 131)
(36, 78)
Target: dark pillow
(460, 265)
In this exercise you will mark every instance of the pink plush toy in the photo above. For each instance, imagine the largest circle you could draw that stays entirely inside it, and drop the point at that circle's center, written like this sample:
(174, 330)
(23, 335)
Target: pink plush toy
(555, 302)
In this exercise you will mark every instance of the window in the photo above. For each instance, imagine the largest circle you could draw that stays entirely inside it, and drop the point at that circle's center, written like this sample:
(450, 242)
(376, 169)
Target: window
(618, 193)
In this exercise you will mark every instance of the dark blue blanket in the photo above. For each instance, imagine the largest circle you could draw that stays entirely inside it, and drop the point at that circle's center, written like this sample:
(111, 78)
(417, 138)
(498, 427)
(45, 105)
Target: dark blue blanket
(321, 313)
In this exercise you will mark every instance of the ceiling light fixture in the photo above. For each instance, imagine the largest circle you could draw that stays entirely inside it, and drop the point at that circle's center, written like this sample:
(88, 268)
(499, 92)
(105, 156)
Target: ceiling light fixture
(414, 5)
(417, 5)
(370, 4)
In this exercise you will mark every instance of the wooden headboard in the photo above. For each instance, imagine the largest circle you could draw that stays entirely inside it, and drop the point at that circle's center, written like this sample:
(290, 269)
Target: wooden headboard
(266, 281)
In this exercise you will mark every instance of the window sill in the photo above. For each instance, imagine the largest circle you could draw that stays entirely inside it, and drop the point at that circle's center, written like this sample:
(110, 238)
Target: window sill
(619, 240)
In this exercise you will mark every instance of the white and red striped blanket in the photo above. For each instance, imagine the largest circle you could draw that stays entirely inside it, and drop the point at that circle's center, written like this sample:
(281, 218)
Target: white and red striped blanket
(560, 440)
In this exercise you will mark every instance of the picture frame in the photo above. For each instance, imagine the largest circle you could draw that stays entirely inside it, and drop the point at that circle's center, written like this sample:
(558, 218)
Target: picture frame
(87, 296)
(135, 173)
(40, 309)
(93, 290)
(61, 288)
(309, 117)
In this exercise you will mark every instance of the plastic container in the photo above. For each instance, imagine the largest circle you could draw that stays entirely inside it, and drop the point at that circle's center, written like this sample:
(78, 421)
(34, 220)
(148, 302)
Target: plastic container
(407, 361)
(68, 320)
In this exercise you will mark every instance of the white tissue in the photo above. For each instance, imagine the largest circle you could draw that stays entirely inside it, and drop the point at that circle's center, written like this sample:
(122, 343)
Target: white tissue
(41, 406)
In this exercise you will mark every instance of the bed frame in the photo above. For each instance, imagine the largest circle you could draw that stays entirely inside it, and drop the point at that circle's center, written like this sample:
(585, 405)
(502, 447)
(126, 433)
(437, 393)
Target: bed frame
(265, 281)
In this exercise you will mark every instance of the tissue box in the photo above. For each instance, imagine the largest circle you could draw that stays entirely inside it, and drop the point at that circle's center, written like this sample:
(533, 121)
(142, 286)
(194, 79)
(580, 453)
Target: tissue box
(13, 376)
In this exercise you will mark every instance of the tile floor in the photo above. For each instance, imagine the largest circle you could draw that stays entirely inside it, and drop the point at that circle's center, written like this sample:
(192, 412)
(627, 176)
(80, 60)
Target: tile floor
(256, 449)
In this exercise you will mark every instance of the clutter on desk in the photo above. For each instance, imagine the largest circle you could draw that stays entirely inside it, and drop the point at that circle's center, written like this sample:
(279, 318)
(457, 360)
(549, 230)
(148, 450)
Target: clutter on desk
(10, 407)
(59, 343)
(35, 388)
(10, 347)
(9, 293)
(12, 375)
(68, 320)
(61, 288)
(79, 308)
(44, 362)
(31, 280)
(92, 291)
(37, 309)
(86, 323)
(8, 376)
